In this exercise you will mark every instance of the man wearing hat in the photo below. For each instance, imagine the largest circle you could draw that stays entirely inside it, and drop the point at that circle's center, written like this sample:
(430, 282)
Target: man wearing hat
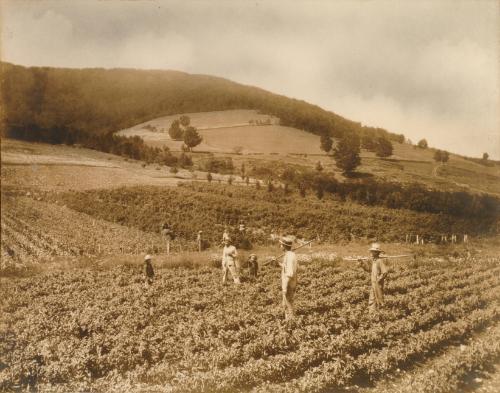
(148, 270)
(378, 273)
(229, 255)
(288, 276)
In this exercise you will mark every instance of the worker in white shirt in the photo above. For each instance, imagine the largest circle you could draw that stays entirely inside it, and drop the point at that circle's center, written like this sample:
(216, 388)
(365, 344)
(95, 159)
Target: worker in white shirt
(229, 255)
(289, 267)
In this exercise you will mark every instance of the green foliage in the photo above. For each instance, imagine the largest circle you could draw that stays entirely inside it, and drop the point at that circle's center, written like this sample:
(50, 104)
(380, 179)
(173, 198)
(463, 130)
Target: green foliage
(422, 143)
(383, 147)
(102, 330)
(217, 164)
(175, 132)
(184, 121)
(326, 143)
(346, 153)
(191, 137)
(211, 206)
(441, 156)
(185, 161)
(55, 104)
(368, 142)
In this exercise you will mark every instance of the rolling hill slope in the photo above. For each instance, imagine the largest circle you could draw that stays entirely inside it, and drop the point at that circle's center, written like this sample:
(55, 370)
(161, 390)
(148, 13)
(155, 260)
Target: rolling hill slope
(224, 131)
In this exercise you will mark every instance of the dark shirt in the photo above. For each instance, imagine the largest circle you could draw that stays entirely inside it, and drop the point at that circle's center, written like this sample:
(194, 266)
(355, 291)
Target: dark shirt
(253, 267)
(149, 269)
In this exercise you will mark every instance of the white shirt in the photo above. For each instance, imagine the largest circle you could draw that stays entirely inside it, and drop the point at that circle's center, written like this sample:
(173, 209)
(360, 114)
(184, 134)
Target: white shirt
(290, 265)
(229, 253)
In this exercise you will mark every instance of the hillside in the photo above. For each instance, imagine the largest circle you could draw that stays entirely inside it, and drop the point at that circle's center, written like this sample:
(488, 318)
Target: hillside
(262, 145)
(63, 105)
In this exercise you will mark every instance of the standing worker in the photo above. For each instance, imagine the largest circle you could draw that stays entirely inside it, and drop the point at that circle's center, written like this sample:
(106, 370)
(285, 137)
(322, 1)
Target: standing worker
(149, 273)
(167, 234)
(253, 266)
(289, 267)
(378, 273)
(229, 255)
(199, 240)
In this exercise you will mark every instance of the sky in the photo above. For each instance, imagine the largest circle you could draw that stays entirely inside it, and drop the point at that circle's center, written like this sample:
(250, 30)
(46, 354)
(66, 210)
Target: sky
(427, 69)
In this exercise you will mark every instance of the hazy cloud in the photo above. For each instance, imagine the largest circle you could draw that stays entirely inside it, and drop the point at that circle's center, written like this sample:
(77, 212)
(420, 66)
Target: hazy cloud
(426, 69)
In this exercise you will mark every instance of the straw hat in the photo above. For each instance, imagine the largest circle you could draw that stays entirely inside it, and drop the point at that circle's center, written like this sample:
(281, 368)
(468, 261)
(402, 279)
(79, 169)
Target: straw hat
(147, 257)
(375, 247)
(286, 241)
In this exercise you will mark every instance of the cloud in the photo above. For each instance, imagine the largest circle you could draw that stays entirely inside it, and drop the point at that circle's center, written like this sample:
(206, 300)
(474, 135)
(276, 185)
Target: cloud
(427, 69)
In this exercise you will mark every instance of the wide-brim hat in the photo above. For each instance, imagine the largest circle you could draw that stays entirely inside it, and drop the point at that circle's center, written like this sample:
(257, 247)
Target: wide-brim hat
(375, 247)
(147, 257)
(286, 241)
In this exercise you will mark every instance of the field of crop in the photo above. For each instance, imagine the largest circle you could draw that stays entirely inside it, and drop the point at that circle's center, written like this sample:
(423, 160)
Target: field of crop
(38, 232)
(101, 329)
(209, 208)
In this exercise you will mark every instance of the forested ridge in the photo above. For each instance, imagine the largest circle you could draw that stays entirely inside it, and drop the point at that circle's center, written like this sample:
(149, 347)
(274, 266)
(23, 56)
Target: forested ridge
(60, 105)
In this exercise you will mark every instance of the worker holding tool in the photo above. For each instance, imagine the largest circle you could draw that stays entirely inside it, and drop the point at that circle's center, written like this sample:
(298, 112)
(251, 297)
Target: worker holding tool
(378, 274)
(289, 267)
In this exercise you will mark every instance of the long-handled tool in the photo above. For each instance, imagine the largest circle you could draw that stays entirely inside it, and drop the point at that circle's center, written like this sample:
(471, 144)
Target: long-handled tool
(382, 256)
(282, 255)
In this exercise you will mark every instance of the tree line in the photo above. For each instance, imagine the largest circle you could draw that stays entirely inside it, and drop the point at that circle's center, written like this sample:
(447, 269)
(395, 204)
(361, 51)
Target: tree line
(43, 100)
(393, 195)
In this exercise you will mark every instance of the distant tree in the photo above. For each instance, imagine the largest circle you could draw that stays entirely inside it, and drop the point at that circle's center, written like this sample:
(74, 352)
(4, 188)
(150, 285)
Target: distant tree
(192, 138)
(441, 156)
(247, 180)
(175, 132)
(383, 147)
(486, 156)
(319, 167)
(422, 143)
(257, 184)
(209, 177)
(346, 154)
(185, 121)
(230, 179)
(368, 142)
(326, 143)
(185, 160)
(242, 169)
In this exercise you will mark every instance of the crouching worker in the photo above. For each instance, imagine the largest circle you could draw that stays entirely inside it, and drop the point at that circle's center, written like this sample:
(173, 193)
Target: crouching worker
(289, 267)
(229, 255)
(149, 273)
(378, 273)
(253, 266)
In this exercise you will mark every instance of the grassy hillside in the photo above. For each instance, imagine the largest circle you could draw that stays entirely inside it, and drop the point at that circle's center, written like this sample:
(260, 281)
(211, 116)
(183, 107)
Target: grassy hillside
(224, 131)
